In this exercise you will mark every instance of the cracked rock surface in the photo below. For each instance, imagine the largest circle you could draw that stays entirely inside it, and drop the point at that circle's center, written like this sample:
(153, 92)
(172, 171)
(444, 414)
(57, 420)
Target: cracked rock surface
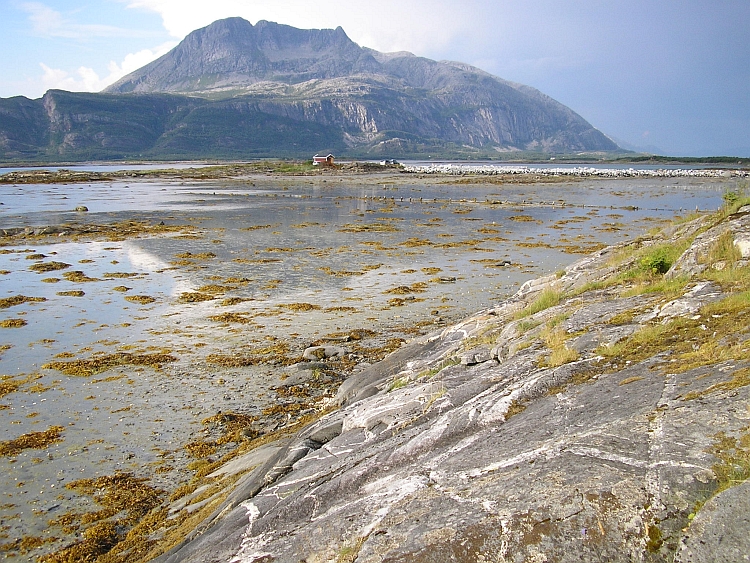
(490, 449)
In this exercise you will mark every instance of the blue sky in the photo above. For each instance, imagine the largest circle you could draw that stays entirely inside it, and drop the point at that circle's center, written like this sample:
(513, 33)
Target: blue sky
(670, 75)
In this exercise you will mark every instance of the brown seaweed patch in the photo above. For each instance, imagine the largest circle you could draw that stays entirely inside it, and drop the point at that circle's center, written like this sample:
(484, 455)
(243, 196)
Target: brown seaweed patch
(340, 310)
(196, 256)
(229, 301)
(291, 408)
(431, 271)
(356, 334)
(78, 276)
(85, 368)
(10, 384)
(71, 293)
(368, 228)
(460, 243)
(339, 273)
(200, 449)
(256, 260)
(97, 540)
(307, 224)
(233, 361)
(377, 353)
(121, 288)
(43, 267)
(240, 318)
(256, 227)
(214, 289)
(275, 352)
(300, 307)
(142, 299)
(18, 300)
(237, 281)
(35, 256)
(32, 440)
(13, 323)
(194, 297)
(415, 242)
(25, 545)
(235, 427)
(418, 287)
(120, 274)
(126, 498)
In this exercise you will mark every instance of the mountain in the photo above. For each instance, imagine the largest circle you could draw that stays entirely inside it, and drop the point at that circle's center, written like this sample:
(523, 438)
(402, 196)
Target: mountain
(233, 89)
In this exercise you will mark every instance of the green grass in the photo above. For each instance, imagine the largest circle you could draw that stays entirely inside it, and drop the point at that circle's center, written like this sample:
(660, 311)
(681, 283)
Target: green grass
(555, 339)
(546, 299)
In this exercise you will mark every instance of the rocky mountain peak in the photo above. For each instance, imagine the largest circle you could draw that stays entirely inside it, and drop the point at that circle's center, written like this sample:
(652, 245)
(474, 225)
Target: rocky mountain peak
(232, 53)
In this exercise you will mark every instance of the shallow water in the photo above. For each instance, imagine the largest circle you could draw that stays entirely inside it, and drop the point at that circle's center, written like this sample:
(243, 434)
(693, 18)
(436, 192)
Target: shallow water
(338, 247)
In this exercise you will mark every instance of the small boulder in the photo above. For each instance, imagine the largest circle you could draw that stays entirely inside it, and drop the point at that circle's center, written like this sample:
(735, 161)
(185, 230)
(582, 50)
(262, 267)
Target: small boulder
(476, 356)
(322, 352)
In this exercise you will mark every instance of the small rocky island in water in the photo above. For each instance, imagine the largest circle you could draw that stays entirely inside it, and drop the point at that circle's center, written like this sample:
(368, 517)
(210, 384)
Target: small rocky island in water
(600, 414)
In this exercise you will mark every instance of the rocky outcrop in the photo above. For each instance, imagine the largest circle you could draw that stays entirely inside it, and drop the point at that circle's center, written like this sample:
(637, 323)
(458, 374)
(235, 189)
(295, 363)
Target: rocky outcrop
(593, 416)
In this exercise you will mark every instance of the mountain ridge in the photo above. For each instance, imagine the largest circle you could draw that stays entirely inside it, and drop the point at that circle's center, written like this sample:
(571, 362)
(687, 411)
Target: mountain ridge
(234, 90)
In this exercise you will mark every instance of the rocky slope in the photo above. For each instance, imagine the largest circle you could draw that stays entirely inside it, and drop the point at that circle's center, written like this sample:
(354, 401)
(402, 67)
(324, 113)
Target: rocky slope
(232, 89)
(600, 414)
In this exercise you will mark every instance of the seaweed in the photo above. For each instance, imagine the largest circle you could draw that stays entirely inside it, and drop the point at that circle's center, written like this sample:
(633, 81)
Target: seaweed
(142, 299)
(19, 300)
(71, 293)
(32, 440)
(85, 368)
(43, 267)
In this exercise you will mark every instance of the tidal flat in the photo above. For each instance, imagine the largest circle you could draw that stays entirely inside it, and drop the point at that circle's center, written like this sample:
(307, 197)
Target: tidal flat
(145, 340)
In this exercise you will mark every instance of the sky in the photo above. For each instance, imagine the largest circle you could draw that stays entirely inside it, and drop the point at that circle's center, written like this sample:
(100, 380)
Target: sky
(665, 76)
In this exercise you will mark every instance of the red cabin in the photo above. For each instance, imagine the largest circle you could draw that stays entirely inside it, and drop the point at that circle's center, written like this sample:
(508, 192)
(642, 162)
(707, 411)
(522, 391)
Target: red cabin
(323, 160)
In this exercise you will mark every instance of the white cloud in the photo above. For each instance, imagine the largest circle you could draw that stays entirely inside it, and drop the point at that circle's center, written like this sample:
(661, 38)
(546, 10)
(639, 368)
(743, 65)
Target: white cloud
(86, 79)
(47, 22)
(423, 27)
(134, 61)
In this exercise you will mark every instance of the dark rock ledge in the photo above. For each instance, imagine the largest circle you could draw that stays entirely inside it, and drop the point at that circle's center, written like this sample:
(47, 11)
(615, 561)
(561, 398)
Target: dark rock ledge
(474, 444)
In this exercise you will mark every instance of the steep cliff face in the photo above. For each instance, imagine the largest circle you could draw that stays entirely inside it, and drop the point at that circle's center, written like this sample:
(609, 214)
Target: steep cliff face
(598, 415)
(23, 127)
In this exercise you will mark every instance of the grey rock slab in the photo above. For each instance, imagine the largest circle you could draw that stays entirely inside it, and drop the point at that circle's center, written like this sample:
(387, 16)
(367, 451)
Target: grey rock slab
(689, 304)
(476, 356)
(247, 461)
(720, 531)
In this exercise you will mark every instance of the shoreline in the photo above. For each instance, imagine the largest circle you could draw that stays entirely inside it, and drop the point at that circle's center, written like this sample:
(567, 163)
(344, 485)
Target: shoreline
(367, 172)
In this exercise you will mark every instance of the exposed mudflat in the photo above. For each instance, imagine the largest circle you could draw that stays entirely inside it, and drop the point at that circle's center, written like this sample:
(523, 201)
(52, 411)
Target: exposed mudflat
(162, 331)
